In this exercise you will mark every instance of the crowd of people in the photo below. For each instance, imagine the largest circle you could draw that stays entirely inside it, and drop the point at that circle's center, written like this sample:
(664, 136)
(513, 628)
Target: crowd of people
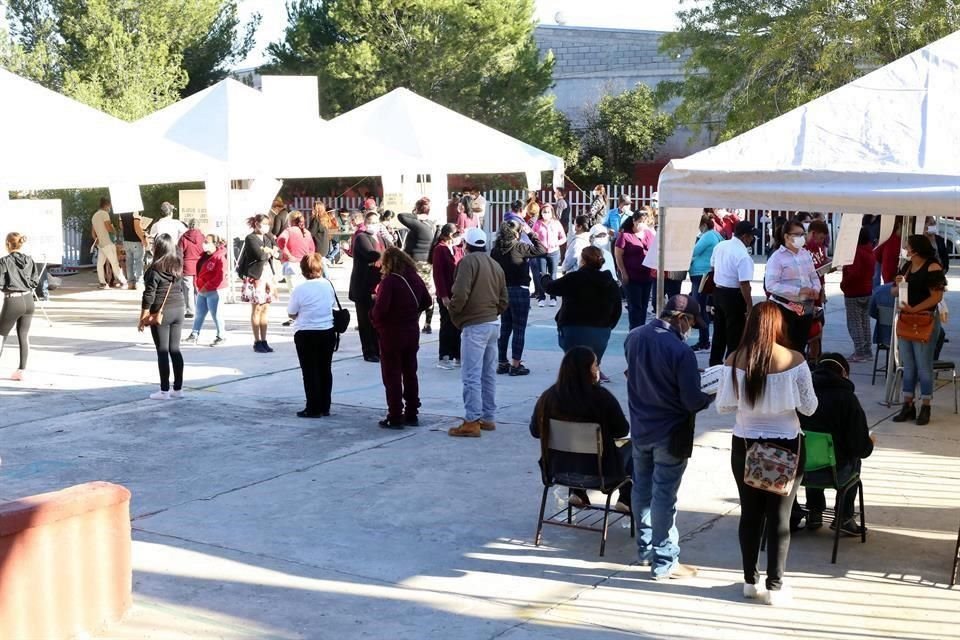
(775, 378)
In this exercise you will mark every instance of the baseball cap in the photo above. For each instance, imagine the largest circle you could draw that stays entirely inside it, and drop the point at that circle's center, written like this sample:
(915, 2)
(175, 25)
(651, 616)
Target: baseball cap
(475, 237)
(743, 228)
(167, 209)
(682, 303)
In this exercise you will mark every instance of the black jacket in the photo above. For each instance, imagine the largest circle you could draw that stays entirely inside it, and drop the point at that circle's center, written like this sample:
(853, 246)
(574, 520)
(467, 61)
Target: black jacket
(18, 273)
(256, 255)
(321, 236)
(280, 222)
(590, 298)
(514, 260)
(419, 237)
(366, 273)
(839, 413)
(601, 407)
(155, 287)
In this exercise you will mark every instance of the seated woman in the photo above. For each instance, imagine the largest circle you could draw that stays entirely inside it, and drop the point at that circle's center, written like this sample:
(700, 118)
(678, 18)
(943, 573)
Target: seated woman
(838, 413)
(578, 397)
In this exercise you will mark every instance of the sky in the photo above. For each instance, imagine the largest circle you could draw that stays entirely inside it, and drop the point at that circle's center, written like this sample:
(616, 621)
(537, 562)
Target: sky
(657, 15)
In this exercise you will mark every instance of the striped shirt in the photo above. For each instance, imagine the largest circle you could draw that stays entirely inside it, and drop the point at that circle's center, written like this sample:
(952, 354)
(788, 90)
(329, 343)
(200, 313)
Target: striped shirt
(788, 272)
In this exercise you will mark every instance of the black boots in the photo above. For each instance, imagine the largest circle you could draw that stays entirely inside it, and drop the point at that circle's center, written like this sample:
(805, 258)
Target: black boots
(907, 412)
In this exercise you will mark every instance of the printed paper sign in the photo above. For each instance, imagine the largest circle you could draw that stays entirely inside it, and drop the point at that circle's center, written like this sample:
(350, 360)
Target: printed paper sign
(41, 221)
(125, 198)
(845, 245)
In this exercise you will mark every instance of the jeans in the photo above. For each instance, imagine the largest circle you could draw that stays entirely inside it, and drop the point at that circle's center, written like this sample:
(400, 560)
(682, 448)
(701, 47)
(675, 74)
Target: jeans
(478, 371)
(514, 321)
(656, 481)
(703, 300)
(189, 295)
(315, 353)
(546, 265)
(730, 317)
(449, 335)
(916, 358)
(166, 338)
(759, 509)
(638, 299)
(134, 266)
(858, 324)
(208, 301)
(596, 338)
(398, 371)
(816, 501)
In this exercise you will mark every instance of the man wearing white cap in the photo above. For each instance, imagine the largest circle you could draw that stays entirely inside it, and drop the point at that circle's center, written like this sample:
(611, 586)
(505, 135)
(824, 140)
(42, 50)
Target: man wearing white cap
(479, 296)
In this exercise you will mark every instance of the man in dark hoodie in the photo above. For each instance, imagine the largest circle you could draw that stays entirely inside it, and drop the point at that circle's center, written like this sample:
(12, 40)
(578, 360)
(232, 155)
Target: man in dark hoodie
(838, 413)
(191, 248)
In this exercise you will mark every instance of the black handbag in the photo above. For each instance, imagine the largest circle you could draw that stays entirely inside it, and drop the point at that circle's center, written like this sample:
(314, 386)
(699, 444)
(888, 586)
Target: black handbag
(341, 317)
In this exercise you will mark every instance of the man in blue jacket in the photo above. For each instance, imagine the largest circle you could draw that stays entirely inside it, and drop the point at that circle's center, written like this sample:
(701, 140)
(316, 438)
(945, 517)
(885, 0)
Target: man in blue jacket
(663, 390)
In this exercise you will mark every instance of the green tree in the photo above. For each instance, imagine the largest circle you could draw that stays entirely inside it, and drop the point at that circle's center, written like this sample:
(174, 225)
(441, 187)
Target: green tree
(476, 57)
(125, 57)
(621, 130)
(752, 60)
(208, 59)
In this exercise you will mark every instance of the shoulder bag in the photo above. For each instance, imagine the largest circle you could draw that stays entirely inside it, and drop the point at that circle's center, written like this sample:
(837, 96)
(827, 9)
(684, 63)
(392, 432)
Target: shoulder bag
(707, 284)
(341, 316)
(770, 468)
(156, 319)
(915, 326)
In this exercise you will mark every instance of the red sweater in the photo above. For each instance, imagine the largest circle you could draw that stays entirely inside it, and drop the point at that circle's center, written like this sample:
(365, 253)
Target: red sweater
(857, 279)
(212, 271)
(191, 244)
(888, 255)
(294, 243)
(444, 267)
(396, 309)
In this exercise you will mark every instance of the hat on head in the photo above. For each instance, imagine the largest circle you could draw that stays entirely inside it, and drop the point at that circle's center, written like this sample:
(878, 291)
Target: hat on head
(743, 228)
(682, 303)
(475, 237)
(369, 204)
(167, 209)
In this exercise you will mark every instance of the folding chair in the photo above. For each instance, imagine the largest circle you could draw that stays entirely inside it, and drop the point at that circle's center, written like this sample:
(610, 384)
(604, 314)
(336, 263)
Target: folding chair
(822, 455)
(955, 573)
(580, 439)
(884, 329)
(946, 366)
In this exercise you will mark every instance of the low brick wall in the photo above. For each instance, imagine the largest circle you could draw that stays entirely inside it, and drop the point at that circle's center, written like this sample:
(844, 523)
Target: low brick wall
(65, 562)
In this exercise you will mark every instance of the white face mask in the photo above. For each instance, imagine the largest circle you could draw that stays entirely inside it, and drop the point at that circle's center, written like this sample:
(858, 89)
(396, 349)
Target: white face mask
(933, 229)
(600, 242)
(264, 229)
(456, 242)
(209, 247)
(798, 241)
(373, 229)
(904, 254)
(626, 209)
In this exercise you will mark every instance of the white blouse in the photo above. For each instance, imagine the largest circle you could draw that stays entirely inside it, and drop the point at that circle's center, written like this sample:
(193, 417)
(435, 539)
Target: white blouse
(775, 413)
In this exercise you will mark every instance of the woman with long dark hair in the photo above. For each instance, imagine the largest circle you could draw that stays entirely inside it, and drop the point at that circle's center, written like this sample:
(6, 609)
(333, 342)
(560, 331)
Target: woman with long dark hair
(514, 256)
(466, 217)
(599, 205)
(766, 384)
(162, 309)
(401, 297)
(19, 277)
(444, 257)
(925, 286)
(792, 282)
(577, 396)
(256, 269)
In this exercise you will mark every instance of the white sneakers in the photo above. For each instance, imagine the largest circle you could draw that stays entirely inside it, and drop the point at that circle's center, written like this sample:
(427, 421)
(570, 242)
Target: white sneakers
(553, 302)
(540, 303)
(166, 395)
(779, 598)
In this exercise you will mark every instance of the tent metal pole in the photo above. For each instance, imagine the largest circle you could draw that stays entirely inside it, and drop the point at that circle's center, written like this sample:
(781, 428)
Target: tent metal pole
(661, 259)
(891, 392)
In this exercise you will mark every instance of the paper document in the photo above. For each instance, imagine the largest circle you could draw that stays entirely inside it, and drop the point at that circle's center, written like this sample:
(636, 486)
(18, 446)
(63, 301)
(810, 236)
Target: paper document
(710, 379)
(825, 269)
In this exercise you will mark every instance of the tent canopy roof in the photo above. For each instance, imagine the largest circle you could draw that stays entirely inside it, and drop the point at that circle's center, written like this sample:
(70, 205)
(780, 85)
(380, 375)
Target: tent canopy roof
(443, 138)
(51, 141)
(242, 128)
(888, 143)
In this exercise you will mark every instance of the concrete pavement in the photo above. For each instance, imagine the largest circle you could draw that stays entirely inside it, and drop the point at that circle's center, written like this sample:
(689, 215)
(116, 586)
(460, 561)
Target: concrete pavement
(252, 523)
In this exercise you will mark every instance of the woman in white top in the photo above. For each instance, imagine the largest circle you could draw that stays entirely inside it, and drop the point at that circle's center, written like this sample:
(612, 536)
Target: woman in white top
(311, 308)
(792, 281)
(766, 384)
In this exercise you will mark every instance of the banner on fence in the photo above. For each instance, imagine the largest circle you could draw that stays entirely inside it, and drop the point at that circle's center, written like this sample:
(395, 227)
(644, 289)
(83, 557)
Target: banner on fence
(41, 221)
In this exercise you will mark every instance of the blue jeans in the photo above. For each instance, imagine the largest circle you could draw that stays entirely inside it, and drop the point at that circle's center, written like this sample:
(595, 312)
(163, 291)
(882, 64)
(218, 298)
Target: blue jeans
(916, 358)
(638, 299)
(547, 265)
(134, 265)
(478, 371)
(702, 300)
(208, 301)
(570, 336)
(656, 481)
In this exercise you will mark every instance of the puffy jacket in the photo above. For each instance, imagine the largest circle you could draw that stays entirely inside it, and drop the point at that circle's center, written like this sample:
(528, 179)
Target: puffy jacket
(212, 271)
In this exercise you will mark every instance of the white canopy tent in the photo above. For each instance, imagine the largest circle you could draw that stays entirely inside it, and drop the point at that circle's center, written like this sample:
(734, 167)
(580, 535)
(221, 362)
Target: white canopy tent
(450, 143)
(248, 132)
(51, 141)
(888, 143)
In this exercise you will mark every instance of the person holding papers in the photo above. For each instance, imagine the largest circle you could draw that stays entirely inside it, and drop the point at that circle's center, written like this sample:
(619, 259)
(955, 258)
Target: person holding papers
(793, 283)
